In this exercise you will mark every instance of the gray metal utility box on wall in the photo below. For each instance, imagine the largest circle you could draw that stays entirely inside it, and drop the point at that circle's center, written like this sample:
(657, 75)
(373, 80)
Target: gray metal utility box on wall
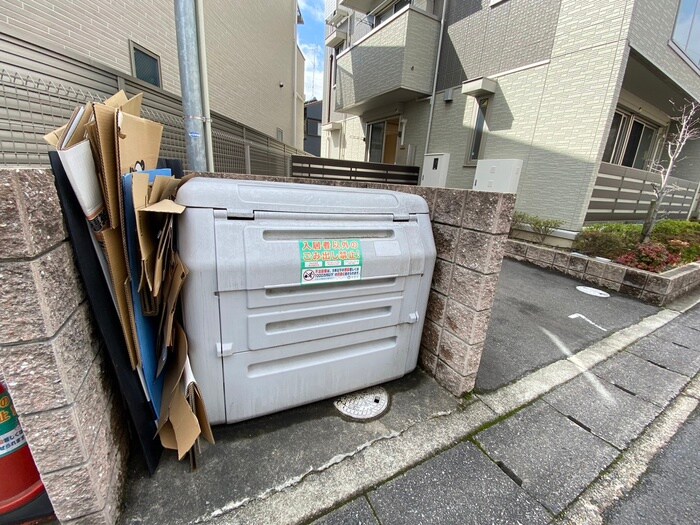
(299, 292)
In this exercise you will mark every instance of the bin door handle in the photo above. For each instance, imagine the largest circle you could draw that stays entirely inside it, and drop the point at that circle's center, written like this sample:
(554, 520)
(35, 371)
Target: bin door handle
(222, 350)
(413, 318)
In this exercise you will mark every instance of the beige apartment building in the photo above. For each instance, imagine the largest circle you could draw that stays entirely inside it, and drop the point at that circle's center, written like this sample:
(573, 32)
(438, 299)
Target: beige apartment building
(255, 68)
(579, 91)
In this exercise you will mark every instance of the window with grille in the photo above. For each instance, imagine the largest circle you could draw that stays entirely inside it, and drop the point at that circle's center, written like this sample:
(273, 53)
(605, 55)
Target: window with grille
(145, 65)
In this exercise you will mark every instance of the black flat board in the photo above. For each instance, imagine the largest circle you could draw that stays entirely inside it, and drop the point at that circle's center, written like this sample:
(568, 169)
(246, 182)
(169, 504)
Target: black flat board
(105, 313)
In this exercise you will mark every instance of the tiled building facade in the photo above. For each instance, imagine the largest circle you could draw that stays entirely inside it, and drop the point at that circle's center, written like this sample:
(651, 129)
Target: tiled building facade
(565, 74)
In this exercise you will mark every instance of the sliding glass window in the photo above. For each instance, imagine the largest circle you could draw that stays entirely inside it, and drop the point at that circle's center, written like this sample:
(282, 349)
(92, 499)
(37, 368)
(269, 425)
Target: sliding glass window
(686, 33)
(631, 142)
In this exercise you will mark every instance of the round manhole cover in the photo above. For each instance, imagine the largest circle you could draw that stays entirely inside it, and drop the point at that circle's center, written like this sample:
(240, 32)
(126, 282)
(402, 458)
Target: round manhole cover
(592, 291)
(366, 404)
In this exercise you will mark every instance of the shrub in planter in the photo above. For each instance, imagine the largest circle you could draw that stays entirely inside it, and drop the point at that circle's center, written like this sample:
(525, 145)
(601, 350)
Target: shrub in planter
(681, 237)
(519, 219)
(610, 245)
(543, 227)
(671, 229)
(652, 257)
(688, 251)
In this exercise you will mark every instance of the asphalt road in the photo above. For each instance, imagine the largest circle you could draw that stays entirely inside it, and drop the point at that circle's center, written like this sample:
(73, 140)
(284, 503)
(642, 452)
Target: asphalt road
(531, 325)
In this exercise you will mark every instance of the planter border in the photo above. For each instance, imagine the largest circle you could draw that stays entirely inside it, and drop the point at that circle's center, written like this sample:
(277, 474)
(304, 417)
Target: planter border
(654, 288)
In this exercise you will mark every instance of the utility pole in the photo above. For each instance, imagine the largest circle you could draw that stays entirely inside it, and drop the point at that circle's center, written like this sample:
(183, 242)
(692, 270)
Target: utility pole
(190, 83)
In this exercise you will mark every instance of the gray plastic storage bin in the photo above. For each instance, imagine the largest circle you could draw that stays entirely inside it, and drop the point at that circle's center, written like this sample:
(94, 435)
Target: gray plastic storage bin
(297, 292)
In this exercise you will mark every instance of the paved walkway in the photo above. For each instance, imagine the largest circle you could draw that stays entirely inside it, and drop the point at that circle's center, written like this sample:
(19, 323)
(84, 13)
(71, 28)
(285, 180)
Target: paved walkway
(531, 466)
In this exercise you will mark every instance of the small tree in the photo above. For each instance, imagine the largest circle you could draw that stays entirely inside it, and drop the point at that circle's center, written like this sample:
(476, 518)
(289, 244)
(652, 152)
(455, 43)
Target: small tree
(687, 128)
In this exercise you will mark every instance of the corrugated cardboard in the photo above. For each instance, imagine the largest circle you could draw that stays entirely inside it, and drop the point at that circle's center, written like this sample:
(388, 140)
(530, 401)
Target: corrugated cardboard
(178, 427)
(145, 273)
(154, 227)
(105, 133)
(117, 269)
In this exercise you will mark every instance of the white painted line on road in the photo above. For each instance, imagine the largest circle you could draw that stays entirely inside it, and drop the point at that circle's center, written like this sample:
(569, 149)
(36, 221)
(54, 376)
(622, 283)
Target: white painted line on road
(593, 380)
(581, 316)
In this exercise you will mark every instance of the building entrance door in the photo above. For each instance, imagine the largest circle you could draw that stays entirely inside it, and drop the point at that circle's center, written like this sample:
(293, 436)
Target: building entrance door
(383, 141)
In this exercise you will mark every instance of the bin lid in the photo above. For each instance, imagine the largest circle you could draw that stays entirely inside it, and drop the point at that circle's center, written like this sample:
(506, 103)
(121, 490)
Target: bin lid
(244, 198)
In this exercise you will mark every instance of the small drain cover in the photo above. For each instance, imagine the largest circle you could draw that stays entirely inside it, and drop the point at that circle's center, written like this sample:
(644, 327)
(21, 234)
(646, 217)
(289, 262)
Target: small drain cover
(592, 291)
(366, 404)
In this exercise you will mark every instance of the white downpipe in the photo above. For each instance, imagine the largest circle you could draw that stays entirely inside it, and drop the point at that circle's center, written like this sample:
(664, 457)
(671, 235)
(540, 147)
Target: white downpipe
(204, 80)
(445, 4)
(295, 95)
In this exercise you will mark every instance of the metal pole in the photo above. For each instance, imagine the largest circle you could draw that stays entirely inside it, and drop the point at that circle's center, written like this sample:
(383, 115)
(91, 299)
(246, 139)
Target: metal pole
(205, 85)
(190, 84)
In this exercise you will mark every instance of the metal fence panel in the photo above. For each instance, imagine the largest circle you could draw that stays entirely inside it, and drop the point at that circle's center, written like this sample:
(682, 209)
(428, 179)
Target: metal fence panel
(625, 194)
(39, 88)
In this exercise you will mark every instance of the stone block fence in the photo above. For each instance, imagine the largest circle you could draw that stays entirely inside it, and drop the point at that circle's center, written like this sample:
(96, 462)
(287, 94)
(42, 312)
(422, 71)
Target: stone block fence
(50, 356)
(53, 364)
(654, 288)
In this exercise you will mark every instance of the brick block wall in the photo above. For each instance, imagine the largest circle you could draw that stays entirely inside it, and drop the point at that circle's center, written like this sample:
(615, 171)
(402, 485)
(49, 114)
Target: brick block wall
(470, 230)
(51, 358)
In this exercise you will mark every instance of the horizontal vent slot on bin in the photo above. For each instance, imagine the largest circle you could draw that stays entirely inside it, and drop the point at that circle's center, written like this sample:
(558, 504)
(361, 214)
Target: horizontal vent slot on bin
(287, 364)
(295, 235)
(345, 285)
(325, 320)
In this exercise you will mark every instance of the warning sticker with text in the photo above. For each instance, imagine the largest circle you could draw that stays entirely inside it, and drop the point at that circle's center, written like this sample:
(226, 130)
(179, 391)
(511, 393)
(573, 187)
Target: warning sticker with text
(330, 260)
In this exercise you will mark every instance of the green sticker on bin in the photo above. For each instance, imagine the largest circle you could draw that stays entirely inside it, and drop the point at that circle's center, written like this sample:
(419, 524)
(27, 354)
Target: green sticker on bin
(330, 260)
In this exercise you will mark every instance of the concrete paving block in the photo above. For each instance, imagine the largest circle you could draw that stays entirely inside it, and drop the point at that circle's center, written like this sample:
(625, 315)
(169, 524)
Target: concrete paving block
(668, 355)
(668, 491)
(691, 319)
(253, 457)
(555, 458)
(609, 412)
(460, 485)
(647, 380)
(357, 512)
(680, 334)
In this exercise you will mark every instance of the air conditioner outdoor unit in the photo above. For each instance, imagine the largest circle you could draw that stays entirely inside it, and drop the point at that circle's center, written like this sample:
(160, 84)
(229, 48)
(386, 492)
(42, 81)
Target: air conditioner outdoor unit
(338, 15)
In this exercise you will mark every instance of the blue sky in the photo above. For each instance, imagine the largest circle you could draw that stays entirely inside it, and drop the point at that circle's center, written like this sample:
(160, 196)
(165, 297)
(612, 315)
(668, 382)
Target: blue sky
(311, 36)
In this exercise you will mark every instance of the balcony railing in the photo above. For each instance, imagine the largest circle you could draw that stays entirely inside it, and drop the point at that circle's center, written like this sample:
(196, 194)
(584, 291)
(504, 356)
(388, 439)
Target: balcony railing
(393, 63)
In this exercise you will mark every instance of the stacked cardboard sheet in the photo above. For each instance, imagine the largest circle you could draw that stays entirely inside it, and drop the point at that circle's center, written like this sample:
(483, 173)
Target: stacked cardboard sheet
(110, 154)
